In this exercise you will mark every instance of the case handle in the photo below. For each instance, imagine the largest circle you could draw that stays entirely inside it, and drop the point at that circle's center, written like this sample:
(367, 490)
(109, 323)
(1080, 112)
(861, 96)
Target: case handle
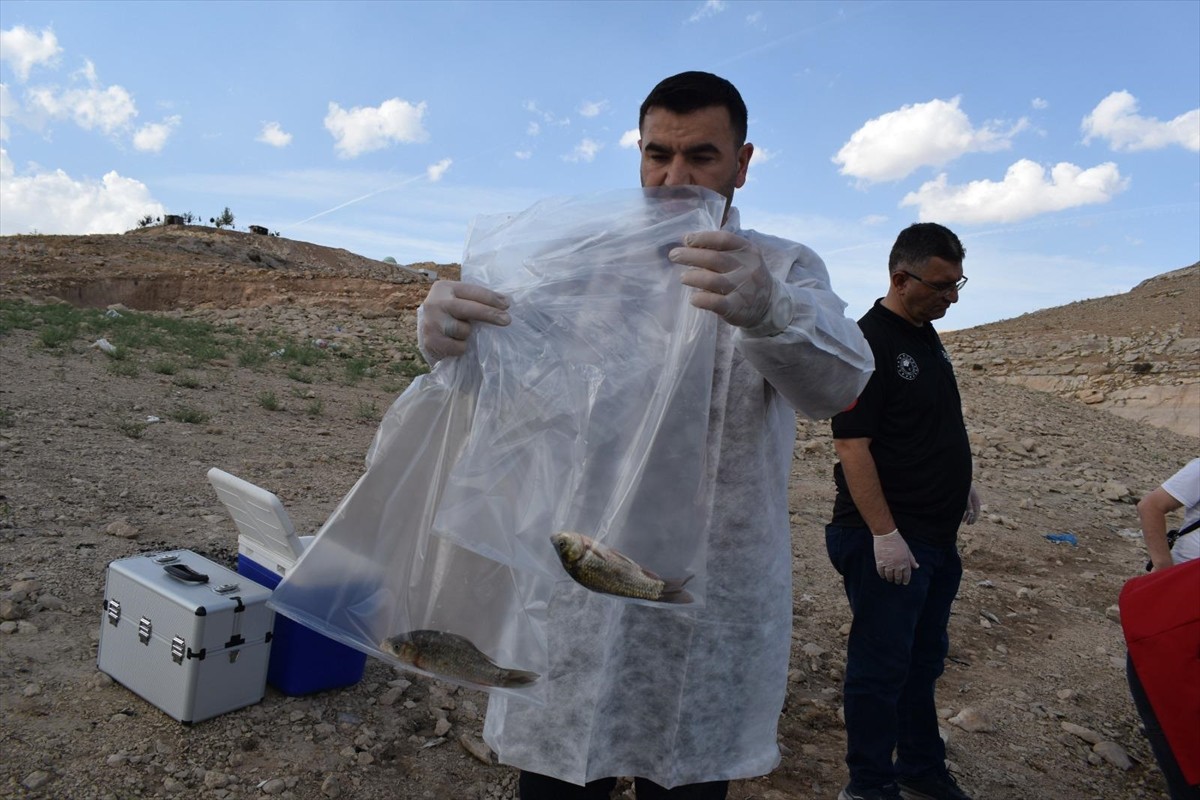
(185, 573)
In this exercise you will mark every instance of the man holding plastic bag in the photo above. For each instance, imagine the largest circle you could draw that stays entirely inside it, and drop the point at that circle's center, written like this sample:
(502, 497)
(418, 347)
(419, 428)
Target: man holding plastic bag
(687, 699)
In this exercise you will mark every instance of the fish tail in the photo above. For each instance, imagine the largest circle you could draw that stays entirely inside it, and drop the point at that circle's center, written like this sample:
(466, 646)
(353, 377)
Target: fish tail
(517, 677)
(673, 591)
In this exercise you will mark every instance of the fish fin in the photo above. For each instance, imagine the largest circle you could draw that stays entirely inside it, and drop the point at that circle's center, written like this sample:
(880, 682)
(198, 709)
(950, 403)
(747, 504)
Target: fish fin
(517, 677)
(673, 591)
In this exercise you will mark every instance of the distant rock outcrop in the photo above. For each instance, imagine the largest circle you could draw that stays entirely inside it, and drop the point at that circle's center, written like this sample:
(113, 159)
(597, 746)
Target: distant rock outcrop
(187, 266)
(1135, 354)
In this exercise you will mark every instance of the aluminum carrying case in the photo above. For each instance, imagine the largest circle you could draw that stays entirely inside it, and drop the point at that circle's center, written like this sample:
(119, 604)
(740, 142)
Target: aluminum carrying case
(189, 635)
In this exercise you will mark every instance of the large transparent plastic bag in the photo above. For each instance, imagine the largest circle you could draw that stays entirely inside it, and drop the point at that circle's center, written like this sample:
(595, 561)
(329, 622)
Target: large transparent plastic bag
(593, 409)
(373, 577)
(587, 414)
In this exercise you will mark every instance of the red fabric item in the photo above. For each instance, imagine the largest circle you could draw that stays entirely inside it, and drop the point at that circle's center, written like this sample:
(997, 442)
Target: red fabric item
(1160, 615)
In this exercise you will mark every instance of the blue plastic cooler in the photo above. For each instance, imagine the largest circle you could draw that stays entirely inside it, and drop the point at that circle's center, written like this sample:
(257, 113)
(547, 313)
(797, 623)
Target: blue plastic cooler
(302, 660)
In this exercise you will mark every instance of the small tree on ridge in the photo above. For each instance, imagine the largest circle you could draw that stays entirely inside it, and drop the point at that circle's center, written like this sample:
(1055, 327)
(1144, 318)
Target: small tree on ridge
(226, 218)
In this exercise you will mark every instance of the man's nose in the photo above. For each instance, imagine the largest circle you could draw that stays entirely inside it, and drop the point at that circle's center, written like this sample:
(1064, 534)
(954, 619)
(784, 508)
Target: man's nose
(678, 173)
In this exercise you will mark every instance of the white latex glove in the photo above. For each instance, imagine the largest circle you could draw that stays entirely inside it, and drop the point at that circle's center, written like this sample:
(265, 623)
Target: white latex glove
(893, 559)
(733, 282)
(973, 506)
(445, 318)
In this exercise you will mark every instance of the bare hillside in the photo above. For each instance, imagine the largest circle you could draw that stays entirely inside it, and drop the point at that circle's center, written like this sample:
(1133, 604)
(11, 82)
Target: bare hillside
(1135, 354)
(281, 377)
(184, 267)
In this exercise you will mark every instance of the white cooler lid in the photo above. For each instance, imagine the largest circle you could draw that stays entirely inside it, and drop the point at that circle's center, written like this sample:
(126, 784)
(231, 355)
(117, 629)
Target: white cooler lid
(259, 515)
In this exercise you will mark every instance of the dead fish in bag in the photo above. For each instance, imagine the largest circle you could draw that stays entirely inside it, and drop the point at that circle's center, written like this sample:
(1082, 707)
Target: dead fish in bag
(453, 656)
(605, 570)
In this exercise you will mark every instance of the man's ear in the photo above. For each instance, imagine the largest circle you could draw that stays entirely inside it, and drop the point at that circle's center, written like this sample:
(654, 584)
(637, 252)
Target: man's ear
(745, 153)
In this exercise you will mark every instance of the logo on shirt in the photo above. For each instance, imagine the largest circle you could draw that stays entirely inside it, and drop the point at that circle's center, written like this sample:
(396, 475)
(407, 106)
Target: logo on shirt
(906, 367)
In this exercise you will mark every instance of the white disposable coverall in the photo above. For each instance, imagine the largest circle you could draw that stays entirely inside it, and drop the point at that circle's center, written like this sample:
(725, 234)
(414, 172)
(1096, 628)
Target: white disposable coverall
(689, 696)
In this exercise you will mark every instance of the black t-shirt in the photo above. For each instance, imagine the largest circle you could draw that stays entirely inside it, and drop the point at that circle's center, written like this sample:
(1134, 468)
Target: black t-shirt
(912, 413)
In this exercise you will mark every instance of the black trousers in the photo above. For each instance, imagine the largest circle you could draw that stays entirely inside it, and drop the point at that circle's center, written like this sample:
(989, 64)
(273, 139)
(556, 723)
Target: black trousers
(1177, 785)
(540, 787)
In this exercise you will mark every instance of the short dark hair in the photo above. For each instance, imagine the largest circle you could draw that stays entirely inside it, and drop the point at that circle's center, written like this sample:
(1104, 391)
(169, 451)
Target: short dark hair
(692, 91)
(922, 241)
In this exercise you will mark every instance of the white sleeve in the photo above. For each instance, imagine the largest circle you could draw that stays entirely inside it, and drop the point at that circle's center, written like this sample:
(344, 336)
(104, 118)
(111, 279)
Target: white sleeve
(820, 362)
(1184, 486)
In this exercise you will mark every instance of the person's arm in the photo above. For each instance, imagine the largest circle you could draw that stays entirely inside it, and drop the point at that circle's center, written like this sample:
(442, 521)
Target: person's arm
(893, 559)
(445, 319)
(1152, 511)
(858, 465)
(793, 331)
(974, 504)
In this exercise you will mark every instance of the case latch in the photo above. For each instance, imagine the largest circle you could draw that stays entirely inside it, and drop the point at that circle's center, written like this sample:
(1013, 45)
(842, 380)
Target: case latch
(178, 648)
(144, 628)
(114, 612)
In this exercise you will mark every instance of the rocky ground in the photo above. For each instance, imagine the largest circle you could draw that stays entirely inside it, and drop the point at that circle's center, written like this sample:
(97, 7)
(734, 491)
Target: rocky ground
(1034, 700)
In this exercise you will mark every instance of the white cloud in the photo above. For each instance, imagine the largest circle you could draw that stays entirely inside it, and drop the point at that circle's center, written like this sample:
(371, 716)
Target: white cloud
(708, 9)
(111, 110)
(630, 138)
(534, 129)
(754, 19)
(1039, 103)
(435, 171)
(584, 151)
(547, 117)
(153, 137)
(593, 108)
(273, 135)
(24, 49)
(1024, 192)
(1116, 119)
(363, 130)
(54, 202)
(762, 155)
(872, 220)
(895, 144)
(8, 108)
(524, 155)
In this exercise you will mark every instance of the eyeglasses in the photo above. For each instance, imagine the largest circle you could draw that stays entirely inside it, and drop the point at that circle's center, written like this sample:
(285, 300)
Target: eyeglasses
(941, 288)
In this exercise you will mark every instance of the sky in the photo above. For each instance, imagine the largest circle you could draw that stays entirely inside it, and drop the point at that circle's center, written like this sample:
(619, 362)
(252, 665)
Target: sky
(1060, 140)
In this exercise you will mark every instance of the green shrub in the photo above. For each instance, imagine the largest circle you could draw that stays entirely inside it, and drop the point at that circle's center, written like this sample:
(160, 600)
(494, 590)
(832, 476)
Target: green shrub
(251, 356)
(133, 428)
(304, 354)
(409, 368)
(189, 415)
(54, 336)
(123, 368)
(357, 369)
(367, 410)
